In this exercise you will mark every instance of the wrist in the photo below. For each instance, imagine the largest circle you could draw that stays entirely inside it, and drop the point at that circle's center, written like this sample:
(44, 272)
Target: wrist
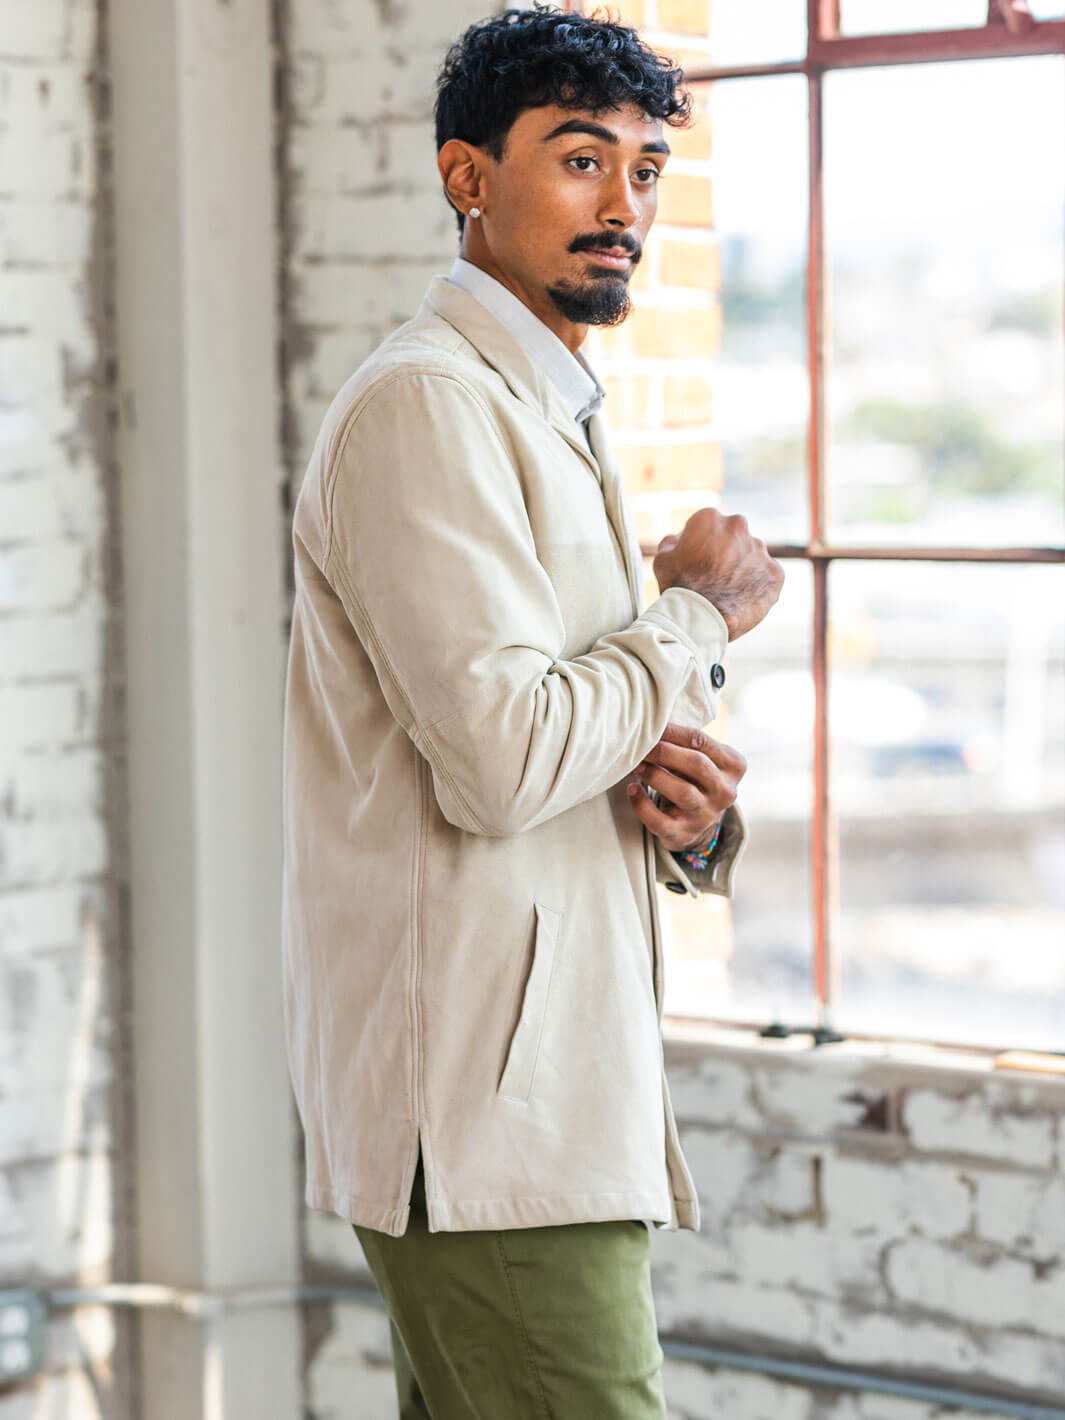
(703, 847)
(701, 844)
(718, 602)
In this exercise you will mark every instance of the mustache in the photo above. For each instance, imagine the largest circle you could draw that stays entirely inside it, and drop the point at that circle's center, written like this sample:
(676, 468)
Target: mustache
(603, 241)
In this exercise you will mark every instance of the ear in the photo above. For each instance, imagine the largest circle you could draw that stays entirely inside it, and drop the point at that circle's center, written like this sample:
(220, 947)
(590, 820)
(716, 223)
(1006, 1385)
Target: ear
(461, 166)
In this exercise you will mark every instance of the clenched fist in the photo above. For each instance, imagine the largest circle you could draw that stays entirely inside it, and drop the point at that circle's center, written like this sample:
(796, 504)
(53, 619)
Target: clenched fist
(717, 557)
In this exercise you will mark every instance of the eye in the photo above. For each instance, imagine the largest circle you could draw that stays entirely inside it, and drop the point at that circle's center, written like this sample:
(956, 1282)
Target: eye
(651, 174)
(583, 158)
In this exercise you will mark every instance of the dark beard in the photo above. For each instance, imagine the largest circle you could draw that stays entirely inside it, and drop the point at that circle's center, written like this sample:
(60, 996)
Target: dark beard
(598, 301)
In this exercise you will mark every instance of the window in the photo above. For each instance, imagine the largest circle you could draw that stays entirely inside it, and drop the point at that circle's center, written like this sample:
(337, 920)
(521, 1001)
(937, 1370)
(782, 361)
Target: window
(852, 329)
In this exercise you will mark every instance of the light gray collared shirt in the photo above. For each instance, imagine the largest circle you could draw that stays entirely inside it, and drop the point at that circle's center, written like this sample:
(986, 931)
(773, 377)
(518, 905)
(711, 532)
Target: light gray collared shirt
(571, 374)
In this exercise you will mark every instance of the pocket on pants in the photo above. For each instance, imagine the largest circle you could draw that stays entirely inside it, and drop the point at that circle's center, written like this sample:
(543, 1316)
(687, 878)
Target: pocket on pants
(520, 1068)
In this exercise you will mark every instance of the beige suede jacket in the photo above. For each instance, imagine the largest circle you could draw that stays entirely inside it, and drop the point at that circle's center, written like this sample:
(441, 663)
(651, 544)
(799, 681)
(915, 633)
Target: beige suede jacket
(472, 950)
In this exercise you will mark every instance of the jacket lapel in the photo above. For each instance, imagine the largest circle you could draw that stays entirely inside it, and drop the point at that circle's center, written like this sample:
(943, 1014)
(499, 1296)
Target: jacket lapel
(499, 349)
(614, 497)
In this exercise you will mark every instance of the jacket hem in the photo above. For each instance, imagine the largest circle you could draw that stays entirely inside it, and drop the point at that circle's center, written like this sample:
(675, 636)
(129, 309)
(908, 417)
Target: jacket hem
(465, 1215)
(362, 1211)
(469, 1215)
(685, 1216)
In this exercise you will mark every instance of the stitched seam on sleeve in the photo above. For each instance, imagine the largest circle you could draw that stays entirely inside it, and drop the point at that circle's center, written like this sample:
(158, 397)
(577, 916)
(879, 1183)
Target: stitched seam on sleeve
(722, 625)
(663, 619)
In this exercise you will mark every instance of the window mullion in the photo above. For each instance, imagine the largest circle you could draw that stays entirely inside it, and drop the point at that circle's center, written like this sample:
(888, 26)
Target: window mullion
(824, 835)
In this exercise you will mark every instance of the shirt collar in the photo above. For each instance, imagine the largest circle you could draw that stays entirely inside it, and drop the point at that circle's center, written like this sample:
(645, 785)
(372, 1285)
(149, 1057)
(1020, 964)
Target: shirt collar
(570, 373)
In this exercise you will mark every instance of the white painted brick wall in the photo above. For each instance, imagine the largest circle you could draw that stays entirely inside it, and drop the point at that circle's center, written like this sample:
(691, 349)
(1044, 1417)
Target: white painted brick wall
(699, 1393)
(995, 1123)
(1023, 1214)
(366, 221)
(62, 1179)
(934, 1240)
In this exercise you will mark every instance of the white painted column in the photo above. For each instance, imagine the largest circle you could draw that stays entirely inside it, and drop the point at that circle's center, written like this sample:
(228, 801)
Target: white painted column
(217, 1203)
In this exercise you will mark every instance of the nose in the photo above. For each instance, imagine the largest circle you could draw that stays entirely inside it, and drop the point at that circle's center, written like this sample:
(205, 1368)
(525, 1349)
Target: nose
(619, 207)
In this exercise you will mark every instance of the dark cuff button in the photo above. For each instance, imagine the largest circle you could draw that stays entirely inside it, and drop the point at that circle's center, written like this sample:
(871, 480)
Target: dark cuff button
(717, 676)
(676, 887)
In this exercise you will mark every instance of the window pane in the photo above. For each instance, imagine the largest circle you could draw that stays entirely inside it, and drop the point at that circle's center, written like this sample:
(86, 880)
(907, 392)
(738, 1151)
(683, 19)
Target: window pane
(882, 17)
(947, 710)
(945, 194)
(750, 958)
(767, 33)
(761, 383)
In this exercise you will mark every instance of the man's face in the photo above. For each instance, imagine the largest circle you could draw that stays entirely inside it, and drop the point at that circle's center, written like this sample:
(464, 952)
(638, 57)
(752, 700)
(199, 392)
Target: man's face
(567, 210)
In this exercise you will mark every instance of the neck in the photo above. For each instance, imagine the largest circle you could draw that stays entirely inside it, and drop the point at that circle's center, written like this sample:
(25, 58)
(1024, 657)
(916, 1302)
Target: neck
(540, 303)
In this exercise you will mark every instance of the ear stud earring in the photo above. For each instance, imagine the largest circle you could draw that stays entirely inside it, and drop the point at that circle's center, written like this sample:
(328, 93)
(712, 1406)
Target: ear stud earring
(475, 211)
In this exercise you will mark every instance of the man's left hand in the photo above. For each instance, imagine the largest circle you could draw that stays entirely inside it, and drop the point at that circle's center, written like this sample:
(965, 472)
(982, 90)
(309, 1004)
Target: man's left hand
(696, 776)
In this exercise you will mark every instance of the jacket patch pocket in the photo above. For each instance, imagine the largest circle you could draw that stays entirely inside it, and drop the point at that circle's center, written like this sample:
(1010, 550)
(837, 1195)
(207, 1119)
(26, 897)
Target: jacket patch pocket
(517, 1079)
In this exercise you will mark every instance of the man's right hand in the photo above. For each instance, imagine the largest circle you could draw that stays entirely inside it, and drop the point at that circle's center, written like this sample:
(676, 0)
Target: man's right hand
(717, 557)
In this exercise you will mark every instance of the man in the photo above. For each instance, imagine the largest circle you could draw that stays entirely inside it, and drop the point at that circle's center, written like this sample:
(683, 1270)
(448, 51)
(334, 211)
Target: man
(492, 753)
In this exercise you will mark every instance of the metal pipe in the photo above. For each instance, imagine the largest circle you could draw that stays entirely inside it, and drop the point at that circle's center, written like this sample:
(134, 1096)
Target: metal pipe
(200, 1304)
(864, 1381)
(205, 1305)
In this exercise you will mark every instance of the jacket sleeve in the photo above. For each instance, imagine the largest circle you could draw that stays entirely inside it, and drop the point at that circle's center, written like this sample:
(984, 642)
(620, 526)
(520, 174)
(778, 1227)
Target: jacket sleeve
(716, 877)
(430, 549)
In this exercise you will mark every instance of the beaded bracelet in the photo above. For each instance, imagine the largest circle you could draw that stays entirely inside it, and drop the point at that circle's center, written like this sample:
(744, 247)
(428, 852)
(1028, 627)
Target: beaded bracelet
(699, 858)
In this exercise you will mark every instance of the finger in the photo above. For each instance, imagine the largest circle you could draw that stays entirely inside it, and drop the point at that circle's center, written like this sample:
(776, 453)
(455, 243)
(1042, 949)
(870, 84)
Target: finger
(725, 759)
(662, 825)
(681, 743)
(695, 800)
(683, 793)
(694, 765)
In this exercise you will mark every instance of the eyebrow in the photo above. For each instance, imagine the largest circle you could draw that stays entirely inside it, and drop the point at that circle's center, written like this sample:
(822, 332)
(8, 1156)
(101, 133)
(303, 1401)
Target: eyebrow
(597, 130)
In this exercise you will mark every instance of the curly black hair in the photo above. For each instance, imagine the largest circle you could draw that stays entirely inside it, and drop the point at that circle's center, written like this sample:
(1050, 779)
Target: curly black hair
(523, 59)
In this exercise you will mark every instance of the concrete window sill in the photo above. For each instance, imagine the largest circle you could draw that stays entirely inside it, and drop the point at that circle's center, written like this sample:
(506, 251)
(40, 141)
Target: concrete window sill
(719, 1038)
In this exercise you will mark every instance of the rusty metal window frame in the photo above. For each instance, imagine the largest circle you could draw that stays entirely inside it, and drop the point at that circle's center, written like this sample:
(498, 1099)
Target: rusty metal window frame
(828, 49)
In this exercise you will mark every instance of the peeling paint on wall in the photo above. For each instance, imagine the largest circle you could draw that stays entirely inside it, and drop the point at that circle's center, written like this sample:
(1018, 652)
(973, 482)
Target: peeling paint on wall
(65, 1187)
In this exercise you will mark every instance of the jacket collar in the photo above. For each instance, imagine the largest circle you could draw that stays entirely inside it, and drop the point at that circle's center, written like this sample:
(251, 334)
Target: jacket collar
(505, 354)
(567, 370)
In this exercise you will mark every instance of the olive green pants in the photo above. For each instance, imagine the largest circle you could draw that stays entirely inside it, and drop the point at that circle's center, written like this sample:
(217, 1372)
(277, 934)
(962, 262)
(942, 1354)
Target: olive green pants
(554, 1323)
